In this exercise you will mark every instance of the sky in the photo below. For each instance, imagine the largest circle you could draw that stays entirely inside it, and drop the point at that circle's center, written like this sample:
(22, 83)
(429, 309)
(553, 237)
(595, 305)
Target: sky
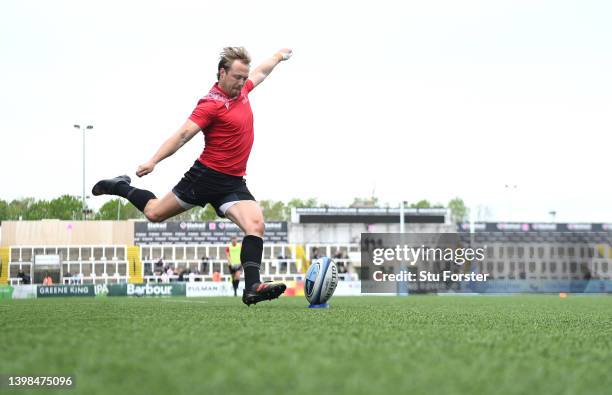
(506, 104)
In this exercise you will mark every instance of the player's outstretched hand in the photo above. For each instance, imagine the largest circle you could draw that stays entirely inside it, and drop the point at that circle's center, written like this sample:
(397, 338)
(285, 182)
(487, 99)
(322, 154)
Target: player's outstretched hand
(285, 54)
(145, 169)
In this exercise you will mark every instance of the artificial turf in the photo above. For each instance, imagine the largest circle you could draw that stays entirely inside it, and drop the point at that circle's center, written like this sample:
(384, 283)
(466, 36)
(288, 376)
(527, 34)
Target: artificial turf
(360, 345)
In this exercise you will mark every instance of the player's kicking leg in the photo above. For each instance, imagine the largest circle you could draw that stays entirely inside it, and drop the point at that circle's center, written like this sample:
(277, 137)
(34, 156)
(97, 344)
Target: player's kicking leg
(248, 216)
(156, 210)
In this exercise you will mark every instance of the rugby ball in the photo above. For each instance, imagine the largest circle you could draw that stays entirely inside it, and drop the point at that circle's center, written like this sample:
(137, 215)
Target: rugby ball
(321, 280)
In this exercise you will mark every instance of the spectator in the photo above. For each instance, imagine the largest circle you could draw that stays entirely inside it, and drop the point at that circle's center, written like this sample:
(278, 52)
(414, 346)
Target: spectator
(25, 279)
(216, 276)
(341, 259)
(283, 262)
(204, 264)
(47, 280)
(182, 272)
(315, 253)
(338, 254)
(159, 266)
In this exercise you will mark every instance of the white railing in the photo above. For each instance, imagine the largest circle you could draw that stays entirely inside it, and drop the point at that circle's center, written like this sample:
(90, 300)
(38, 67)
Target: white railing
(93, 279)
(119, 267)
(156, 278)
(191, 277)
(196, 252)
(348, 277)
(269, 267)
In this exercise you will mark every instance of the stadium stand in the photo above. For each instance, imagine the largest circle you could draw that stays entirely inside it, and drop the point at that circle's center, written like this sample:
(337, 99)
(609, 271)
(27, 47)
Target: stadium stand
(202, 261)
(527, 252)
(515, 251)
(79, 264)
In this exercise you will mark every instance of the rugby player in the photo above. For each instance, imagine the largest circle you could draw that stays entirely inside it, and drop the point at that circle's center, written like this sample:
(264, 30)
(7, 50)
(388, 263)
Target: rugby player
(224, 116)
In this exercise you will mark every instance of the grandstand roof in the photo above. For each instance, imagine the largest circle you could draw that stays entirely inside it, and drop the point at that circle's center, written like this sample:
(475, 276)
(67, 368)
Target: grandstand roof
(368, 215)
(534, 227)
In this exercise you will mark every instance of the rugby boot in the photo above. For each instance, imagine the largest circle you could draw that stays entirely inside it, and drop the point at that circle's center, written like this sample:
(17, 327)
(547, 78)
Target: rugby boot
(106, 187)
(262, 291)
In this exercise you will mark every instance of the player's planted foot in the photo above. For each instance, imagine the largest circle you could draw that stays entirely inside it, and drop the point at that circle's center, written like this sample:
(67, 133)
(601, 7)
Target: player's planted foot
(263, 291)
(106, 187)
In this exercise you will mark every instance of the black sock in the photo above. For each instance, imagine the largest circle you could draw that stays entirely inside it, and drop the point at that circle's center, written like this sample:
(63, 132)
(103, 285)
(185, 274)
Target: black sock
(122, 189)
(138, 197)
(250, 257)
(235, 284)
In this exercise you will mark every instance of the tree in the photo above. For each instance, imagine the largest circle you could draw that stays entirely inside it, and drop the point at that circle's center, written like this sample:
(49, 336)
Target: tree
(273, 210)
(207, 214)
(424, 203)
(296, 202)
(4, 210)
(35, 209)
(197, 213)
(68, 207)
(110, 209)
(25, 208)
(459, 212)
(64, 207)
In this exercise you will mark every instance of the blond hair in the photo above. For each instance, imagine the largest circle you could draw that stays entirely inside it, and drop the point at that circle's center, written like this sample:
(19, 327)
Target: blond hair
(229, 55)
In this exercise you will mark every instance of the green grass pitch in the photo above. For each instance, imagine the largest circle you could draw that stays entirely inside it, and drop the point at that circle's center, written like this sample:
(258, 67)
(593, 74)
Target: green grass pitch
(361, 345)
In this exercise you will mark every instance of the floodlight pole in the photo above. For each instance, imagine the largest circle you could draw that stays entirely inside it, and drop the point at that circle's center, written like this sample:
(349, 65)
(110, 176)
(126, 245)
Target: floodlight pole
(83, 129)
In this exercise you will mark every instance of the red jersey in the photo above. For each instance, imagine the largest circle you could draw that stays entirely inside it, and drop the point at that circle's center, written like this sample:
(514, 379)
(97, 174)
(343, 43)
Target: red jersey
(228, 129)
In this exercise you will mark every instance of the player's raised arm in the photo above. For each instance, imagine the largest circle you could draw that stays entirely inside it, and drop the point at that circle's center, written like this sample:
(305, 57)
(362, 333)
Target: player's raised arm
(265, 68)
(170, 146)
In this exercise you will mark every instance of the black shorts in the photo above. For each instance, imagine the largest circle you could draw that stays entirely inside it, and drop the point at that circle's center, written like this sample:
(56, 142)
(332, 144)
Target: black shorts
(202, 185)
(235, 268)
